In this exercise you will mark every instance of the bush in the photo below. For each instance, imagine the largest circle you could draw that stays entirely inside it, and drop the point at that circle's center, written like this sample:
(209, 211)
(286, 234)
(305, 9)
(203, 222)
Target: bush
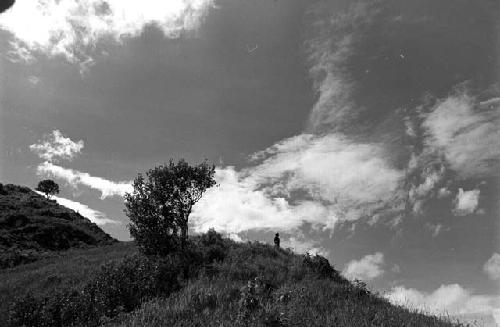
(3, 191)
(321, 267)
(213, 246)
(116, 288)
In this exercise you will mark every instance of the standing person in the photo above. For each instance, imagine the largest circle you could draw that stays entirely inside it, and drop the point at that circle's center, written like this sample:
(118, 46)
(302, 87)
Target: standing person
(277, 240)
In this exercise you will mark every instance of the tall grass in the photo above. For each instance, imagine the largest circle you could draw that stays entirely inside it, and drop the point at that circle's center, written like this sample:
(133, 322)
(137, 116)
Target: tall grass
(68, 269)
(217, 282)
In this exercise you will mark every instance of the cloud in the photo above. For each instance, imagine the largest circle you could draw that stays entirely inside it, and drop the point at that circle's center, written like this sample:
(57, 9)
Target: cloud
(466, 132)
(431, 176)
(34, 80)
(329, 45)
(73, 177)
(306, 178)
(55, 146)
(302, 246)
(69, 28)
(435, 229)
(331, 168)
(367, 268)
(492, 267)
(466, 202)
(239, 204)
(443, 193)
(94, 216)
(320, 176)
(450, 299)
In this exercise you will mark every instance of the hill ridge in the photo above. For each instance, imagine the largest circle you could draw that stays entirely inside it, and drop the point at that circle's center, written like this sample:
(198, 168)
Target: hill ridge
(32, 226)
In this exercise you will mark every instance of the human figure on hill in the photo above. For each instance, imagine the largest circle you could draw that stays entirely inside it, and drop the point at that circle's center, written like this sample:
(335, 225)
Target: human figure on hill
(277, 240)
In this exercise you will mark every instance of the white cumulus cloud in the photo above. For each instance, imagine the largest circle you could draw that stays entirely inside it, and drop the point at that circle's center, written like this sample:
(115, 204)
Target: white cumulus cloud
(56, 146)
(70, 27)
(367, 268)
(492, 267)
(239, 204)
(450, 299)
(317, 180)
(466, 202)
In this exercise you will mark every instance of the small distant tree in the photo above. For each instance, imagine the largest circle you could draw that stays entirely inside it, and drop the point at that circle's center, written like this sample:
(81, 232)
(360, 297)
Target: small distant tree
(48, 187)
(161, 202)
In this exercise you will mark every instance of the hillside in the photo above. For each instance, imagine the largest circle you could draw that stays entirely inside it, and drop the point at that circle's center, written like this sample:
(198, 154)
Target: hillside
(214, 282)
(32, 227)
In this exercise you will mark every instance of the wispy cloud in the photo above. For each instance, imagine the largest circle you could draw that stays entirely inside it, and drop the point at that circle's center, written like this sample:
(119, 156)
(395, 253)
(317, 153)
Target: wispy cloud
(435, 229)
(319, 177)
(367, 268)
(69, 27)
(329, 45)
(492, 267)
(74, 178)
(56, 146)
(450, 299)
(466, 202)
(466, 132)
(94, 216)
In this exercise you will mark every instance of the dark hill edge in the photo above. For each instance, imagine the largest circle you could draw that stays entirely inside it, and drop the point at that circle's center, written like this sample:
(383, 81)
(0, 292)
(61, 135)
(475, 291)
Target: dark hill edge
(33, 227)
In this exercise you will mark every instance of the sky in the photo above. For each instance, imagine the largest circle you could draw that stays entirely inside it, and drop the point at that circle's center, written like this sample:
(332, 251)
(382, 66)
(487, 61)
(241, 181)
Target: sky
(365, 131)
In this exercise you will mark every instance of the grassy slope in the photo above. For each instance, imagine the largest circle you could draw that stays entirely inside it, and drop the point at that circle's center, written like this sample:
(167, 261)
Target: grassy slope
(289, 291)
(69, 268)
(32, 227)
(286, 293)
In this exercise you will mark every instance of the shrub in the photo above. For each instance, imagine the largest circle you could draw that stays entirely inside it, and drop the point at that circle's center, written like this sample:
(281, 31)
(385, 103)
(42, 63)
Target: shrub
(3, 191)
(213, 246)
(116, 288)
(321, 267)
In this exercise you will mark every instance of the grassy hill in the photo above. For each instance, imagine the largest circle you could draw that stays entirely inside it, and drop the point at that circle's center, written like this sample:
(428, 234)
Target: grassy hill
(214, 282)
(68, 270)
(32, 227)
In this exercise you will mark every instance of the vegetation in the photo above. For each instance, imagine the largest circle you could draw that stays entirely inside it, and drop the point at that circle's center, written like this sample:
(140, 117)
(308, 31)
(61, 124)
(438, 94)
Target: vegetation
(59, 271)
(205, 280)
(160, 204)
(34, 227)
(229, 284)
(48, 187)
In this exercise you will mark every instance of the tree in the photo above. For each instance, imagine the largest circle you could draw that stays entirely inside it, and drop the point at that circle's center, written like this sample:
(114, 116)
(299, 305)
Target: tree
(160, 204)
(48, 186)
(5, 4)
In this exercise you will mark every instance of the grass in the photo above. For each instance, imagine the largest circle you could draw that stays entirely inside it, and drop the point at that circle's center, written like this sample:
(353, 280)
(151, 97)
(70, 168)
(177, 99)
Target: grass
(65, 270)
(34, 227)
(258, 285)
(216, 282)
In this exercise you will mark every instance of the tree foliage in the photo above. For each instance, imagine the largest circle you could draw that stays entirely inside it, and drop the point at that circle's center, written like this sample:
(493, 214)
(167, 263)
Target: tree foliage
(48, 187)
(161, 202)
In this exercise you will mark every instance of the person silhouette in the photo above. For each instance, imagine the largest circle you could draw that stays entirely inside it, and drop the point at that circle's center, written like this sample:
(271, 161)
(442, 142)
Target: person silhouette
(277, 240)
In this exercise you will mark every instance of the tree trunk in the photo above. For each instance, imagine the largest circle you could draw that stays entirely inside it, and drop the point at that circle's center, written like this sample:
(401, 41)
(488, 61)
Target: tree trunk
(184, 228)
(184, 235)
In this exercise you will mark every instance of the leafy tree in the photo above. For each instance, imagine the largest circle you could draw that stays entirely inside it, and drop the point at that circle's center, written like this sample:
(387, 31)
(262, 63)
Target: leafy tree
(48, 186)
(161, 202)
(5, 4)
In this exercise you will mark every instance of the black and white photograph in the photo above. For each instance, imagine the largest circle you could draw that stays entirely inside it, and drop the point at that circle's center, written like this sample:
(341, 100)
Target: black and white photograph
(250, 163)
